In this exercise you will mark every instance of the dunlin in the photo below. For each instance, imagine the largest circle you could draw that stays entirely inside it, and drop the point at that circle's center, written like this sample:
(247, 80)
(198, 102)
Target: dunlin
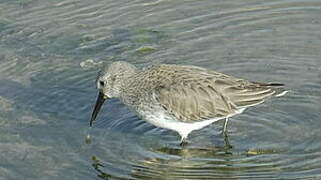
(180, 98)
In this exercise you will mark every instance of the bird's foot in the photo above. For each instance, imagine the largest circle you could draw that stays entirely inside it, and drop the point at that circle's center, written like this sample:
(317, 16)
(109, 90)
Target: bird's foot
(183, 142)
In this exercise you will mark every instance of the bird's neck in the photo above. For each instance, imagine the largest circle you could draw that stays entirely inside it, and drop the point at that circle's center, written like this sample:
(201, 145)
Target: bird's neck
(128, 91)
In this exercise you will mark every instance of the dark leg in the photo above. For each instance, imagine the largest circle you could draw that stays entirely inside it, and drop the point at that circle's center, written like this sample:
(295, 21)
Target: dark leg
(183, 142)
(227, 144)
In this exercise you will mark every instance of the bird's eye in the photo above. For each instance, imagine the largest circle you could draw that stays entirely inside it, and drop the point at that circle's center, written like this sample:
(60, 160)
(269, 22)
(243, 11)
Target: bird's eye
(101, 83)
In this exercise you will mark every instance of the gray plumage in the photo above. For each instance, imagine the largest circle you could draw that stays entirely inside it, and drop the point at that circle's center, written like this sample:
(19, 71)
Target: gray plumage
(185, 94)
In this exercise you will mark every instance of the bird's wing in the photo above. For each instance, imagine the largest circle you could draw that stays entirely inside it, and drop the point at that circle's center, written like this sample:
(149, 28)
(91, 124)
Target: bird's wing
(192, 94)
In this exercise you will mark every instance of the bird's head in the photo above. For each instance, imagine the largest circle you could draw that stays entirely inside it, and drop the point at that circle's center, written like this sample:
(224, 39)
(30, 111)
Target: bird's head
(110, 81)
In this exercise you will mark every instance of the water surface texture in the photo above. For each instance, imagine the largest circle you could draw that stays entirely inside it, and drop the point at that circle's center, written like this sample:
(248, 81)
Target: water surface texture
(50, 52)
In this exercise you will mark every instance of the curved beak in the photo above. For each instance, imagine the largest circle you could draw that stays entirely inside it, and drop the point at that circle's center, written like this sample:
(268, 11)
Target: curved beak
(99, 102)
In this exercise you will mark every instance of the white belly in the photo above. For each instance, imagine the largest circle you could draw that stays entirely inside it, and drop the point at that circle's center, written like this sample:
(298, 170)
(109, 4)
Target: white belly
(159, 119)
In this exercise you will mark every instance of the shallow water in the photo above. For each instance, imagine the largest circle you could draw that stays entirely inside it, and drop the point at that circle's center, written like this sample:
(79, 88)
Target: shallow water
(49, 56)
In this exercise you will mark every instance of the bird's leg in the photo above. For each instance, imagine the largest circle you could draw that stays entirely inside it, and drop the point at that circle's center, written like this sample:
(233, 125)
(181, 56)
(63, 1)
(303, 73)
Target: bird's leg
(227, 144)
(224, 133)
(183, 142)
(225, 126)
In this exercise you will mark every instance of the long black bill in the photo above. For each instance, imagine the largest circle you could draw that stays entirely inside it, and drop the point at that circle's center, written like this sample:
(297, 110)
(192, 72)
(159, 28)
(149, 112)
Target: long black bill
(100, 101)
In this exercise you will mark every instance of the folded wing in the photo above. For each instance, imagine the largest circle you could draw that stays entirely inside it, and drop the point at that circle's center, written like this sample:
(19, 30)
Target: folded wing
(196, 93)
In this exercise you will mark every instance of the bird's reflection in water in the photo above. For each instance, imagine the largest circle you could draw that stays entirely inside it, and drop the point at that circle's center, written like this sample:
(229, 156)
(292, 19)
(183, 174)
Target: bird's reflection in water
(192, 161)
(98, 166)
(172, 163)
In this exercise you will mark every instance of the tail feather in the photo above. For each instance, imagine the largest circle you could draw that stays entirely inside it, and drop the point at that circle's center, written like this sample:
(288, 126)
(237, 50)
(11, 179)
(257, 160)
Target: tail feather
(275, 84)
(277, 87)
(269, 84)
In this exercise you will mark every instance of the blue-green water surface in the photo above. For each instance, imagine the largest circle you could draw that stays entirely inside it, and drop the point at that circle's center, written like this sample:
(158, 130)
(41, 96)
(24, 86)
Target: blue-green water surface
(51, 50)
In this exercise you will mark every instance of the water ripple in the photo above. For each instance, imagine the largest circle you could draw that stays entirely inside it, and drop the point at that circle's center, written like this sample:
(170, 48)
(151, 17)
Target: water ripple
(47, 97)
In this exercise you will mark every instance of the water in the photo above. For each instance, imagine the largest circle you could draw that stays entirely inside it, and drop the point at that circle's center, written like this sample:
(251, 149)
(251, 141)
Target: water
(49, 56)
